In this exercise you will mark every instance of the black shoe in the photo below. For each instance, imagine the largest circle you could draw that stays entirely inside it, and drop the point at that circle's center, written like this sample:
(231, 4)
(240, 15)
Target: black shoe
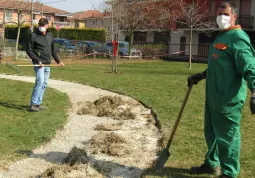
(224, 176)
(34, 108)
(205, 169)
(40, 107)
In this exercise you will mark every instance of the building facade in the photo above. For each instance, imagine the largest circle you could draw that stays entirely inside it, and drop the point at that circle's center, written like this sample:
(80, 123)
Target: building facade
(9, 13)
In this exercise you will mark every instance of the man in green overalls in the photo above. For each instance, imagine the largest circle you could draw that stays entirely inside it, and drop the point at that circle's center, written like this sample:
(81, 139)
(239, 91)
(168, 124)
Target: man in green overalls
(231, 63)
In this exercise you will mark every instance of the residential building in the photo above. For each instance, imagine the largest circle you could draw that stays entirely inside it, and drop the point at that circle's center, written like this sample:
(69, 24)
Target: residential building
(89, 19)
(178, 39)
(54, 15)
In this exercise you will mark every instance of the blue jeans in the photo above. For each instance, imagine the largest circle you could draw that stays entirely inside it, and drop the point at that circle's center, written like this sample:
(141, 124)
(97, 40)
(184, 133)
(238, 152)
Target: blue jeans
(41, 81)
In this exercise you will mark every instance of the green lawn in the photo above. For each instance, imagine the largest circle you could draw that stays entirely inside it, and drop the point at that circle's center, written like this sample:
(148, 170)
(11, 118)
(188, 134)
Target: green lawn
(21, 130)
(162, 86)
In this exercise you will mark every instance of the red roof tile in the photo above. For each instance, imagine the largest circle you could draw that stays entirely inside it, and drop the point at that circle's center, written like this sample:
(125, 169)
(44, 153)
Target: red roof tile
(86, 14)
(13, 4)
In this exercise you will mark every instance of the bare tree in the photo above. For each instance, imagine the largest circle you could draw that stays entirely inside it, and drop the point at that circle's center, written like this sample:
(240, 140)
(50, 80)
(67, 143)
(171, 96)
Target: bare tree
(161, 14)
(2, 57)
(139, 15)
(193, 14)
(109, 17)
(22, 8)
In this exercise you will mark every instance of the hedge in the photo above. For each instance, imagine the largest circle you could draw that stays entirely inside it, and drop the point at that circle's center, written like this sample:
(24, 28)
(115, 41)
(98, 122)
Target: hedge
(68, 33)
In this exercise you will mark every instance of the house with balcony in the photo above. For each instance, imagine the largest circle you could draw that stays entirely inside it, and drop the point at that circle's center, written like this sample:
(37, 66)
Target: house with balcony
(178, 39)
(9, 9)
(88, 19)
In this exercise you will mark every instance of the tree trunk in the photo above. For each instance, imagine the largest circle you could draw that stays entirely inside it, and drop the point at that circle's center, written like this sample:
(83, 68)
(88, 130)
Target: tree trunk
(131, 36)
(190, 46)
(17, 43)
(113, 65)
(3, 39)
(117, 56)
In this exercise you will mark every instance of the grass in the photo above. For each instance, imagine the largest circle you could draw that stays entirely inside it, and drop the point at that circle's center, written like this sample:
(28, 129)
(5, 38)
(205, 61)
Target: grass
(162, 86)
(21, 130)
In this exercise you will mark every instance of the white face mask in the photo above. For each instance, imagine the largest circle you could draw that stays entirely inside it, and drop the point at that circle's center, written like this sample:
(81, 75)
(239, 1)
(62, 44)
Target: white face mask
(42, 29)
(223, 21)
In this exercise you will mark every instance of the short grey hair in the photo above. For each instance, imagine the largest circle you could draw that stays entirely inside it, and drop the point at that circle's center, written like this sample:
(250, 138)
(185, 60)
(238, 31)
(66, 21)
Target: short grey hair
(231, 4)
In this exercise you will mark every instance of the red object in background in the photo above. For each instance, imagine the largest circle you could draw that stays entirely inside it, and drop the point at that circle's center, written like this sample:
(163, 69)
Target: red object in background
(1, 54)
(58, 27)
(115, 47)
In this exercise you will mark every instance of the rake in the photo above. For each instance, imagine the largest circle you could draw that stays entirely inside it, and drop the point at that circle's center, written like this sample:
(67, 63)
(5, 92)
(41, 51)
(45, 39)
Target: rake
(36, 65)
(15, 67)
(11, 66)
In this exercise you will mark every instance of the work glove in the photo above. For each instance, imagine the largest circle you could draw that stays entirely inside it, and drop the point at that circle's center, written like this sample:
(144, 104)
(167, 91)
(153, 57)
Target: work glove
(252, 104)
(194, 79)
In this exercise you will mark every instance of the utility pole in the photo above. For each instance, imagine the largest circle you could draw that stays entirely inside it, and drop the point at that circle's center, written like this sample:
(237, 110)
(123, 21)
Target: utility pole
(112, 19)
(41, 10)
(32, 15)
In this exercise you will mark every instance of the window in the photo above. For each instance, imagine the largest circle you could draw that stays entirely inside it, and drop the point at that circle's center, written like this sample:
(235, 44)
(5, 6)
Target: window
(48, 17)
(8, 16)
(140, 36)
(77, 24)
(161, 37)
(61, 19)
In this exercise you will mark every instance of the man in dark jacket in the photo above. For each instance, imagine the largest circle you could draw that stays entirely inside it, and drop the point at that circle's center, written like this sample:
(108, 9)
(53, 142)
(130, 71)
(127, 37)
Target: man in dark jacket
(40, 49)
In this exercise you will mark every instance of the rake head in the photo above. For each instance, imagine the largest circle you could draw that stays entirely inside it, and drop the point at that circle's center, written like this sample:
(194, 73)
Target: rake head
(11, 66)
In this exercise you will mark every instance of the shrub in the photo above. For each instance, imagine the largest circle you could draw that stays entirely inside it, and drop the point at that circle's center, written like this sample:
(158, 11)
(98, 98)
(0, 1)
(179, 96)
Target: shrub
(152, 50)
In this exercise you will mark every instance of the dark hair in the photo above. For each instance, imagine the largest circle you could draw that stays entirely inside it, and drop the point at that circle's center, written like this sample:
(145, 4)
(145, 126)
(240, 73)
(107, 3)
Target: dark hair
(43, 21)
(231, 4)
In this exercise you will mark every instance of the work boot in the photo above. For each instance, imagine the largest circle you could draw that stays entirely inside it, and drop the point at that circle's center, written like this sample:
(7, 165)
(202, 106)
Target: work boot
(205, 169)
(224, 176)
(33, 108)
(40, 107)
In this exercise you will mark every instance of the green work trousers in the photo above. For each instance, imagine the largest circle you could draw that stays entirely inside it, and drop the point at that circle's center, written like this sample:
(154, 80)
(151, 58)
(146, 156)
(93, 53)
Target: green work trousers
(222, 134)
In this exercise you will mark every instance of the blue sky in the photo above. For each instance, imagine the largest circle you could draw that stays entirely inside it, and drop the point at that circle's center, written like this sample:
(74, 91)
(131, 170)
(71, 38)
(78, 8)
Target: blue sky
(73, 5)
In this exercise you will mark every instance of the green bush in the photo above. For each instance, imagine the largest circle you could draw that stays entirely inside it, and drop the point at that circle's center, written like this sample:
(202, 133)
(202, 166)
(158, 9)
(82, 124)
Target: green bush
(68, 33)
(81, 34)
(152, 50)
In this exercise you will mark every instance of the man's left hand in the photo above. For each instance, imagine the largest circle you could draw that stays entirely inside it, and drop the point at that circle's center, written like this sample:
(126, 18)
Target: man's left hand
(252, 104)
(61, 64)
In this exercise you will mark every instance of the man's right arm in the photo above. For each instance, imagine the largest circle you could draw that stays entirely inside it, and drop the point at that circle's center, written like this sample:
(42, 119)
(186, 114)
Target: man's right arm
(30, 50)
(194, 79)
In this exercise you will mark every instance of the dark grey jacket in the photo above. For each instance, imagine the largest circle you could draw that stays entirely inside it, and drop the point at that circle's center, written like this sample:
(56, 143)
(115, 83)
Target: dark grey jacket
(41, 48)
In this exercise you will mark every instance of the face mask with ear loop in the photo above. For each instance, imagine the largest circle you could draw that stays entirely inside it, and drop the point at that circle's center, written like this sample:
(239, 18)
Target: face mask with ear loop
(223, 21)
(42, 29)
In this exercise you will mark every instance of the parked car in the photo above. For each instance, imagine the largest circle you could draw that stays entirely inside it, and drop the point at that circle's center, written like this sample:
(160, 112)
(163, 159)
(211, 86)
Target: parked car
(88, 47)
(124, 48)
(64, 45)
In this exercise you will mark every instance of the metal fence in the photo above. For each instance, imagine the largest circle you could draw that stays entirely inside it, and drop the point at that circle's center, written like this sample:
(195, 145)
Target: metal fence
(152, 49)
(198, 50)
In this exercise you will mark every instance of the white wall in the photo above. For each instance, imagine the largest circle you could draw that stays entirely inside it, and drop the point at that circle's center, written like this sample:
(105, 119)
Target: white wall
(195, 37)
(175, 41)
(176, 38)
(150, 36)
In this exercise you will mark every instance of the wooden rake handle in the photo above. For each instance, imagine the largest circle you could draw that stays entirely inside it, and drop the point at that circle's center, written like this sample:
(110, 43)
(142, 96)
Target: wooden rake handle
(37, 65)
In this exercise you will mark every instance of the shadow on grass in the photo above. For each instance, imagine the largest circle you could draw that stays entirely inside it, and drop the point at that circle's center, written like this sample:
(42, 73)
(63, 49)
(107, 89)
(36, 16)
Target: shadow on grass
(10, 104)
(171, 172)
